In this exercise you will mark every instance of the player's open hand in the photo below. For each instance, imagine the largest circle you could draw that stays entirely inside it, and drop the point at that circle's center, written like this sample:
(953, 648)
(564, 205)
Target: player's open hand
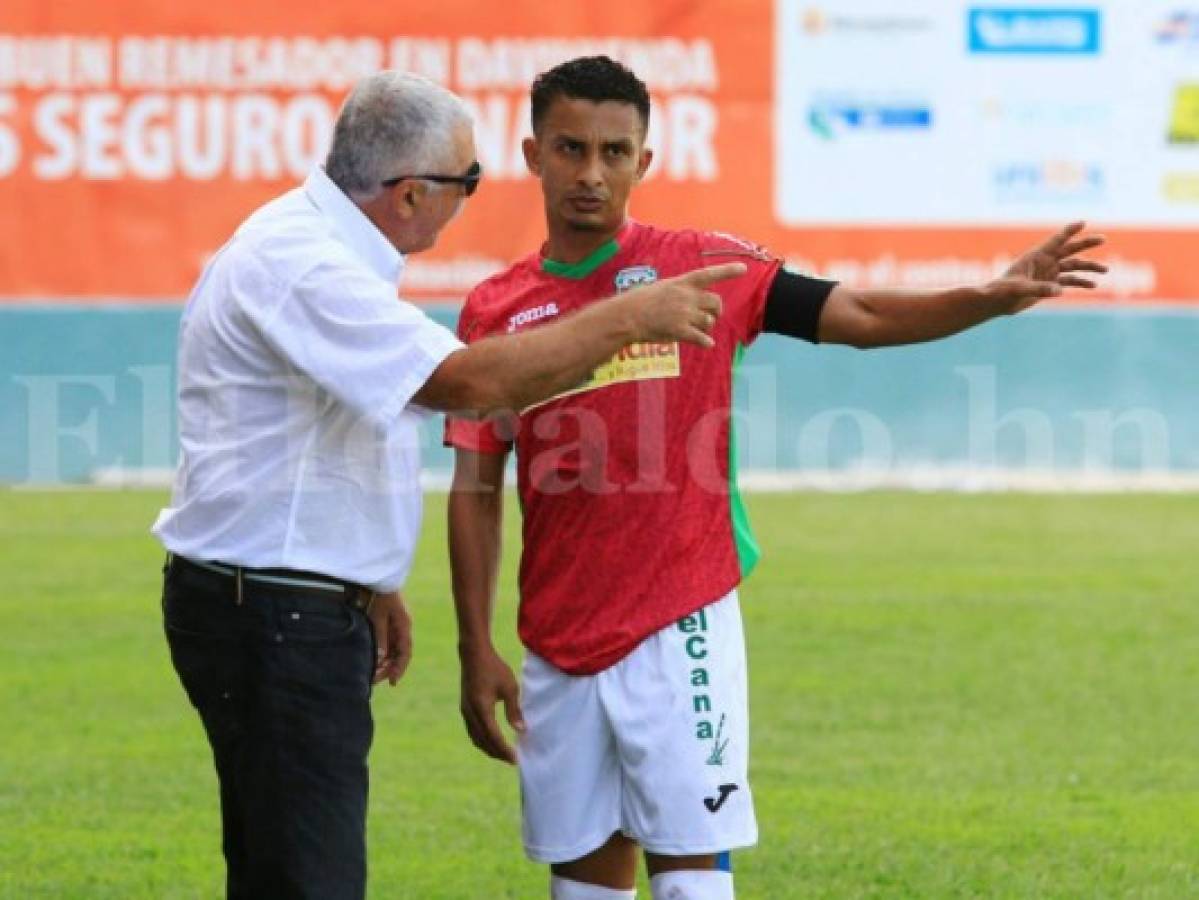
(486, 681)
(1050, 267)
(681, 308)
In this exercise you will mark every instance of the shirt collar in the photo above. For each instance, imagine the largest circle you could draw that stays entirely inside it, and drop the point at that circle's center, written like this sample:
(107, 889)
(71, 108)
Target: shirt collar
(355, 229)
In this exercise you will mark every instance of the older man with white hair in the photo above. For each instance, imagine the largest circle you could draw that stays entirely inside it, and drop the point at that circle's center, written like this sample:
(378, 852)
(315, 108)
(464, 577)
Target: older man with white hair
(302, 381)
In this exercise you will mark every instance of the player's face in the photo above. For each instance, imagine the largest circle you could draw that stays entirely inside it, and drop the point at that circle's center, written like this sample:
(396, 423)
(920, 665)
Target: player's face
(588, 156)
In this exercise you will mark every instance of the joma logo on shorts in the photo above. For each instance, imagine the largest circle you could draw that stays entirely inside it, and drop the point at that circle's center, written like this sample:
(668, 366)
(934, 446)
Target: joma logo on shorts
(696, 645)
(529, 316)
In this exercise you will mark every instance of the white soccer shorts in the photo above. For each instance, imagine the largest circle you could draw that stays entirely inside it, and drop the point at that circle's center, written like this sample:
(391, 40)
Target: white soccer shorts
(655, 746)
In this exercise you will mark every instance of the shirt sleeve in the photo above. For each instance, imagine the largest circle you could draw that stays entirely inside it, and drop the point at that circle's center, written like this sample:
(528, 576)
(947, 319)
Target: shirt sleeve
(745, 297)
(349, 332)
(494, 435)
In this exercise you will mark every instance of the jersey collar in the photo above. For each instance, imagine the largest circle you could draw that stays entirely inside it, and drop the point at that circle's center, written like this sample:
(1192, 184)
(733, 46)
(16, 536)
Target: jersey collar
(587, 265)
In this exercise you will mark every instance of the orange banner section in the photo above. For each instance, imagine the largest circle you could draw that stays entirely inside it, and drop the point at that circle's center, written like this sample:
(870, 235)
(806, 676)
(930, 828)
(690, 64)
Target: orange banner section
(134, 136)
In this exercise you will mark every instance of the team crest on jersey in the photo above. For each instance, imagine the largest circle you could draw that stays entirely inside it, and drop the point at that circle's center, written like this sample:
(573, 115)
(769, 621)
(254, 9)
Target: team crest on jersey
(634, 276)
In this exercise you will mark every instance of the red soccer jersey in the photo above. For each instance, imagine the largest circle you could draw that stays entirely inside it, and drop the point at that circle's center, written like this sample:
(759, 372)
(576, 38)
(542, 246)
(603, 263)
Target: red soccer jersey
(627, 485)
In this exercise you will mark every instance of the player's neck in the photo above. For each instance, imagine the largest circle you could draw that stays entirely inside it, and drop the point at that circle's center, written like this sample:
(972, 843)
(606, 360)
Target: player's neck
(570, 246)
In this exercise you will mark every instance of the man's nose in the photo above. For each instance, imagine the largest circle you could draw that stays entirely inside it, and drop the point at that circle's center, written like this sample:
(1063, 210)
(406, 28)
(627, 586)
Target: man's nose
(591, 173)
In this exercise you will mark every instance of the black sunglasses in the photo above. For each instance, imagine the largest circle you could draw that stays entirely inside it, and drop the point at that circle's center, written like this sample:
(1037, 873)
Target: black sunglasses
(469, 181)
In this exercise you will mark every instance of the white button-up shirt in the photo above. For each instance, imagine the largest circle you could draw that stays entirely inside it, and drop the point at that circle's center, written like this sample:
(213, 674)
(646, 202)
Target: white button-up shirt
(297, 365)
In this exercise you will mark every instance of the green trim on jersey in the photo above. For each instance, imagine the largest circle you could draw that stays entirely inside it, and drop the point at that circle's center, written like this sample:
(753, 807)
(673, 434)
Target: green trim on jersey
(583, 267)
(748, 551)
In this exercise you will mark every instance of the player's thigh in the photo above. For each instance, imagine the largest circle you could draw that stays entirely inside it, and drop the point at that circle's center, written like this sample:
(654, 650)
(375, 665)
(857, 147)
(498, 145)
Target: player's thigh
(613, 865)
(679, 710)
(569, 769)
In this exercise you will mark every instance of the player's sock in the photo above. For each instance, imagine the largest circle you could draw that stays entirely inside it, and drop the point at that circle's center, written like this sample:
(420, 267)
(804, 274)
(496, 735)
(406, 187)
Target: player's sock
(566, 889)
(692, 884)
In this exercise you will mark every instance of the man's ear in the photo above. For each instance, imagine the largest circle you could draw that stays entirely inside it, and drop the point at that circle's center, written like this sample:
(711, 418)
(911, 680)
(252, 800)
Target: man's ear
(647, 157)
(532, 158)
(407, 196)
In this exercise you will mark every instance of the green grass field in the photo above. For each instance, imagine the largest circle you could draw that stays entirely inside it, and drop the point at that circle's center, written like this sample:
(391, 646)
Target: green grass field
(953, 696)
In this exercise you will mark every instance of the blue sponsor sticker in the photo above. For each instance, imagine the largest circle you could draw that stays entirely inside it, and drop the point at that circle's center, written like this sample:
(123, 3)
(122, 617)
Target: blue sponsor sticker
(1030, 30)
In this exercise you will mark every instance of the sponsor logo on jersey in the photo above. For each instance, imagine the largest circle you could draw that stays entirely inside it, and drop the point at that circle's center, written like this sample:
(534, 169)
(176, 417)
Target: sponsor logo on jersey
(634, 276)
(1030, 30)
(636, 362)
(531, 315)
(695, 626)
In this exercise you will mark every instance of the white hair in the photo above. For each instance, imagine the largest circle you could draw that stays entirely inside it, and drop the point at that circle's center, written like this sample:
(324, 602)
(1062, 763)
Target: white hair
(392, 123)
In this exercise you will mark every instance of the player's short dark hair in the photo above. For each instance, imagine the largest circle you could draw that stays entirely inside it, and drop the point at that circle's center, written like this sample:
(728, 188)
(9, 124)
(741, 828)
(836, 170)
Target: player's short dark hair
(596, 78)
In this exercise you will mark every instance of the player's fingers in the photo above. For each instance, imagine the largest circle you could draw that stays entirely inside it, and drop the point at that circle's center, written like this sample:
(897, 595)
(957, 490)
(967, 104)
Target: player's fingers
(1055, 242)
(516, 717)
(1073, 248)
(496, 744)
(710, 303)
(1081, 265)
(701, 278)
(693, 335)
(1075, 281)
(704, 321)
(484, 736)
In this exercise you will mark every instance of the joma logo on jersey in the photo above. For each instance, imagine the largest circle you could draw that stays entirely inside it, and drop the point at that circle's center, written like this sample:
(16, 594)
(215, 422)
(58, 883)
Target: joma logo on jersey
(534, 314)
(634, 276)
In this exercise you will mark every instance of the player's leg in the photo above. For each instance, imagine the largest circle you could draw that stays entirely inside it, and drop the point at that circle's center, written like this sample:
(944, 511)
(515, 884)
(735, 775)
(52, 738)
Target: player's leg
(609, 873)
(704, 877)
(679, 711)
(570, 786)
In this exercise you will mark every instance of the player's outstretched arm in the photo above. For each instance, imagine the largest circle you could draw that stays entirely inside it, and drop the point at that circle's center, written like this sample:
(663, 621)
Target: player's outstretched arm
(476, 516)
(884, 318)
(514, 372)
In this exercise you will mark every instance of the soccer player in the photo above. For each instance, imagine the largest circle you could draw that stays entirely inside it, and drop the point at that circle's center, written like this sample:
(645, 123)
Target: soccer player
(632, 712)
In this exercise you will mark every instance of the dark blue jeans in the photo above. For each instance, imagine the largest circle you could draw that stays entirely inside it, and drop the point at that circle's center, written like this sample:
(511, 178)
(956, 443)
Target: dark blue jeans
(282, 682)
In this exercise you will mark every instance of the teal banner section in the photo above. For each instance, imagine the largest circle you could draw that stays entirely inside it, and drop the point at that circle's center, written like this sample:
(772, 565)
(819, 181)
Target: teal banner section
(91, 389)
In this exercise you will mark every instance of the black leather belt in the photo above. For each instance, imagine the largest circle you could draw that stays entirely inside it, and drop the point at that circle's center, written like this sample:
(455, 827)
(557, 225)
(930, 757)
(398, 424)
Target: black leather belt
(347, 592)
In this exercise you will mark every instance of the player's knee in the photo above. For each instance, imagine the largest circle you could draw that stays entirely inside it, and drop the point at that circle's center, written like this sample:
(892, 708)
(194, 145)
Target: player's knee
(569, 889)
(692, 884)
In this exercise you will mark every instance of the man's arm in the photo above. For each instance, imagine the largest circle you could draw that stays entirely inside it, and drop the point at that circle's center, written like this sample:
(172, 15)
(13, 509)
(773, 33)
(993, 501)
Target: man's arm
(476, 519)
(883, 318)
(513, 372)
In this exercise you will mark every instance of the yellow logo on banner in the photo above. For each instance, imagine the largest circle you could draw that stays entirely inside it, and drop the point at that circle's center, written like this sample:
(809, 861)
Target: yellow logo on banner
(636, 362)
(1184, 117)
(1181, 187)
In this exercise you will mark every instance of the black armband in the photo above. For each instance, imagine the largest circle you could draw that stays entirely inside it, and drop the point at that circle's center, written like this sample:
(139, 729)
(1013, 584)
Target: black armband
(794, 303)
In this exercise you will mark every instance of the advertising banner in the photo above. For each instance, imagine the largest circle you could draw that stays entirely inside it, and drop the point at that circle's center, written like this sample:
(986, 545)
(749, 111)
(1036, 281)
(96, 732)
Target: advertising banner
(878, 143)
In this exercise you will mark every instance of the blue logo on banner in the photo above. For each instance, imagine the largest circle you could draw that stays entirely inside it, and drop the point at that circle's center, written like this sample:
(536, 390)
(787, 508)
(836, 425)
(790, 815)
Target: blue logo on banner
(1029, 30)
(832, 118)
